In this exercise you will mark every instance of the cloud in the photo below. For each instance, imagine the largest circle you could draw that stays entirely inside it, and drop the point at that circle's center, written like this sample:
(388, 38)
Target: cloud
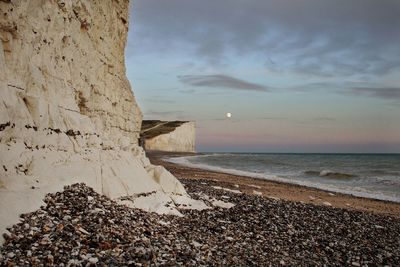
(298, 120)
(324, 119)
(312, 37)
(221, 81)
(272, 118)
(156, 99)
(187, 91)
(163, 114)
(390, 93)
(352, 88)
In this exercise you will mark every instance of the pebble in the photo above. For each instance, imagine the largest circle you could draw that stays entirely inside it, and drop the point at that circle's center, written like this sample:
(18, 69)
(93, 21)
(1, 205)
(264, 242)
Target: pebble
(83, 231)
(196, 244)
(93, 260)
(257, 231)
(10, 255)
(257, 193)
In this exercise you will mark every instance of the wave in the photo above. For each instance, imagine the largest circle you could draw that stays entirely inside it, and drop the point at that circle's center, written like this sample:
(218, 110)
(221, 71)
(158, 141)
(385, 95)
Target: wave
(331, 174)
(360, 192)
(385, 172)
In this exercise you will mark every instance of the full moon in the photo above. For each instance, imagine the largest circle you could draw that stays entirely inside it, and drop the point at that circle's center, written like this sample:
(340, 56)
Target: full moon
(228, 115)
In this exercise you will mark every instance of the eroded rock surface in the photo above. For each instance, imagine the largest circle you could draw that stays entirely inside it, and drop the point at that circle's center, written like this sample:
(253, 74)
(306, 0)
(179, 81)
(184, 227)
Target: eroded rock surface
(67, 112)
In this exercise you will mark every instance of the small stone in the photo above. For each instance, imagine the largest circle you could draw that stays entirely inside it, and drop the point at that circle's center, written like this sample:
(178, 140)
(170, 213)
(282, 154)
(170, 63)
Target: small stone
(255, 192)
(10, 255)
(83, 231)
(50, 258)
(97, 210)
(93, 260)
(105, 245)
(196, 244)
(215, 235)
(73, 262)
(60, 227)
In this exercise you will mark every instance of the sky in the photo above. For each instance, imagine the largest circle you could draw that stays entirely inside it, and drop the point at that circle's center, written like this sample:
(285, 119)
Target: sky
(297, 75)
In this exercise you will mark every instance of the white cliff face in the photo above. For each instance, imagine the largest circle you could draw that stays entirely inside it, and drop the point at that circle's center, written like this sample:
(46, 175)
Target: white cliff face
(182, 139)
(67, 112)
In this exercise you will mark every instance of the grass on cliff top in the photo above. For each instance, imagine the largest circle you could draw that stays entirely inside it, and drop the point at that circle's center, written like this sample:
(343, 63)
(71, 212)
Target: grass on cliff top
(153, 128)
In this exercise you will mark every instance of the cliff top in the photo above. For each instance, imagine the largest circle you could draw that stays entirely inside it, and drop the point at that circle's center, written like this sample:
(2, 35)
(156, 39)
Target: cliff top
(153, 128)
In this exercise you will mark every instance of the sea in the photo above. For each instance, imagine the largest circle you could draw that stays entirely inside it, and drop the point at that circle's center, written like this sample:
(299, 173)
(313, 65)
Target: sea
(374, 176)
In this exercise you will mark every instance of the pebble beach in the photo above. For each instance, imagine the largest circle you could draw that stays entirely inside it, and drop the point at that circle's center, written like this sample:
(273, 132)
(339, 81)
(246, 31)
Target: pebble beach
(78, 227)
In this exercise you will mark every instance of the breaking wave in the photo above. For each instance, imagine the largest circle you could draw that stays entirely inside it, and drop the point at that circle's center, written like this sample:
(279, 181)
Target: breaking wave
(331, 174)
(190, 161)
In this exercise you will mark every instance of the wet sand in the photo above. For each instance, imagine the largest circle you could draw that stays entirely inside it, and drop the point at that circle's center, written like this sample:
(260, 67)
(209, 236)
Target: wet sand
(279, 190)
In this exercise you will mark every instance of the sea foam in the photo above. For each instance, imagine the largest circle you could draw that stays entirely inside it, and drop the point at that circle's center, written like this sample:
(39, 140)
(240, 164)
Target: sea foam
(187, 161)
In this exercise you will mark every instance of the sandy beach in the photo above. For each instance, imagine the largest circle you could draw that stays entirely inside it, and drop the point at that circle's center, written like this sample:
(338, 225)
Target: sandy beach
(279, 190)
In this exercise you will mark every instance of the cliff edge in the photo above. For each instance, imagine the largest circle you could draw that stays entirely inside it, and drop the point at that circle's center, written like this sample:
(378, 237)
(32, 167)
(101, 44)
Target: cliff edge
(67, 112)
(172, 136)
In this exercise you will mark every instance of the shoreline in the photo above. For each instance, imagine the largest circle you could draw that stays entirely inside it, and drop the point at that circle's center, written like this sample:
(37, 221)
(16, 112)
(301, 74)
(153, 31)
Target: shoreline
(276, 189)
(239, 227)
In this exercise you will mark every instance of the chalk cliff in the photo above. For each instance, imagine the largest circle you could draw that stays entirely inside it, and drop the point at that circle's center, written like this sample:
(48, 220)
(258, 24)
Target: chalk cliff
(172, 136)
(67, 112)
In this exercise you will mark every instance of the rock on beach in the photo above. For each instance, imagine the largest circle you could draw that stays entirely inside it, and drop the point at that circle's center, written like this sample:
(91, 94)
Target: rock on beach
(256, 231)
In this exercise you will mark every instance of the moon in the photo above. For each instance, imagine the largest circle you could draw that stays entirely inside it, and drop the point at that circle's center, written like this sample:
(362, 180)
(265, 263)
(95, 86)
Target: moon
(228, 115)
